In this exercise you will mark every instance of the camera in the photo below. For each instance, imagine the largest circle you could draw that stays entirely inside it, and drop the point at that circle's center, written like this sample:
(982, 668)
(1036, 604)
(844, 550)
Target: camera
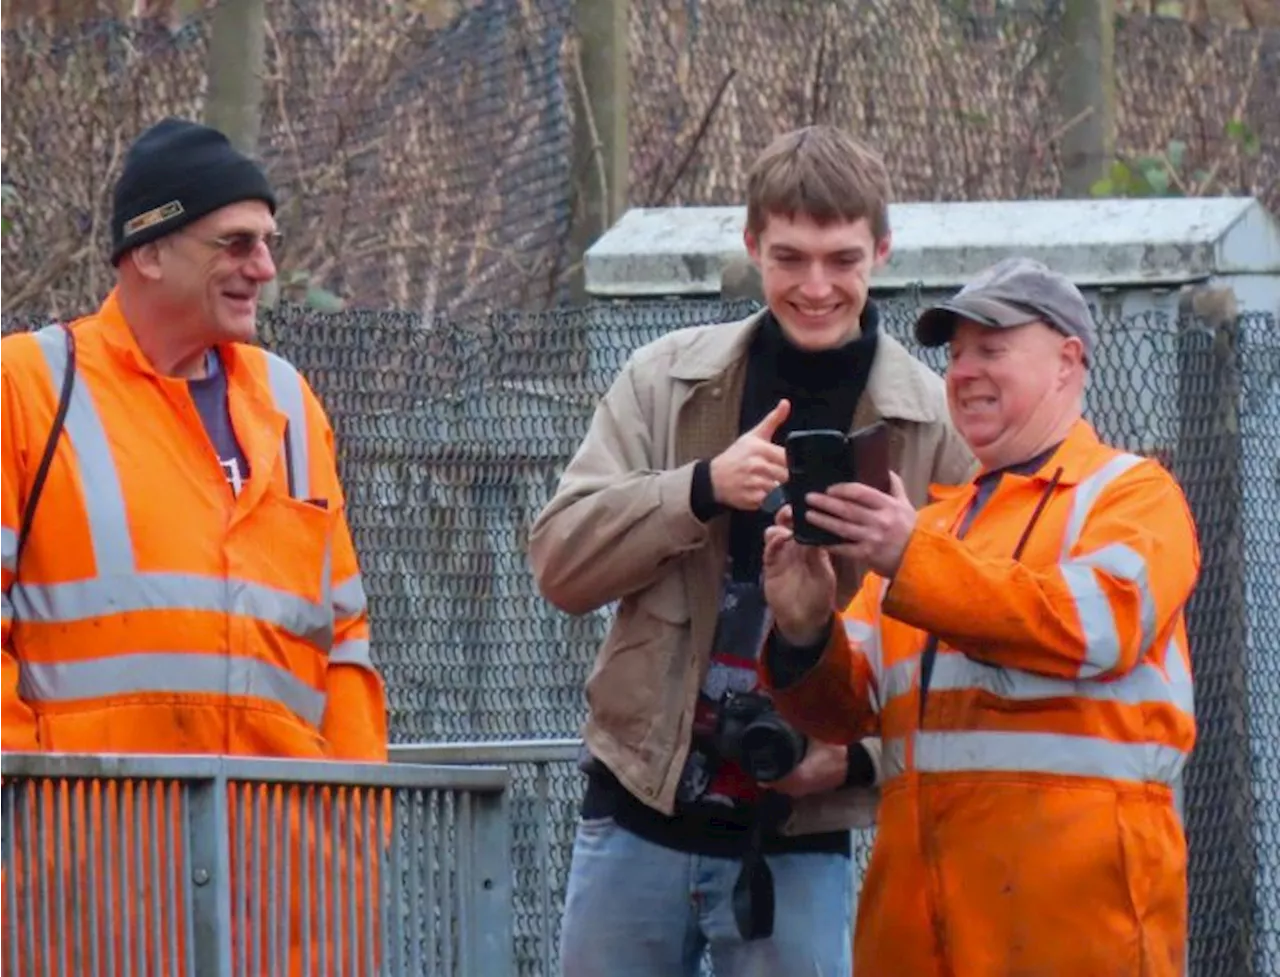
(752, 734)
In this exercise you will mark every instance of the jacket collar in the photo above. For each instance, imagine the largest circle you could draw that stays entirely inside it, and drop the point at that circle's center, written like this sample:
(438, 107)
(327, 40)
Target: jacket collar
(119, 337)
(122, 344)
(896, 389)
(1076, 456)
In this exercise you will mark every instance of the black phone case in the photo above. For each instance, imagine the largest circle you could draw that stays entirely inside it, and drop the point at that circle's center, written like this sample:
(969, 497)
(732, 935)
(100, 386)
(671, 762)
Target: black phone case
(818, 459)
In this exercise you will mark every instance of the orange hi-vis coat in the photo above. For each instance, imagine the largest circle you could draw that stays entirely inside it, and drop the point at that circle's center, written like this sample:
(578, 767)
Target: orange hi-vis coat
(156, 612)
(1027, 822)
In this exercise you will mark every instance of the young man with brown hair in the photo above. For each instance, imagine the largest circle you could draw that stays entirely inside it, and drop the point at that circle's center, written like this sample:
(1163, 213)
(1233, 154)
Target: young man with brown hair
(663, 508)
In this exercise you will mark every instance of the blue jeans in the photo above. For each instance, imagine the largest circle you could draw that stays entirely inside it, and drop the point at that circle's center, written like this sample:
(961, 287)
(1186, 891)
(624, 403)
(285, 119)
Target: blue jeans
(636, 909)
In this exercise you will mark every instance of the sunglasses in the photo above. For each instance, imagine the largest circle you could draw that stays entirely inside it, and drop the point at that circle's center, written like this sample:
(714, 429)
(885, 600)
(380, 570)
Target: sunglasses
(241, 245)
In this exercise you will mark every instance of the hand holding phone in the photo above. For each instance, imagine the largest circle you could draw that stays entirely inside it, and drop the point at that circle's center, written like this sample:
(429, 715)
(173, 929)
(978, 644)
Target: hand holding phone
(818, 459)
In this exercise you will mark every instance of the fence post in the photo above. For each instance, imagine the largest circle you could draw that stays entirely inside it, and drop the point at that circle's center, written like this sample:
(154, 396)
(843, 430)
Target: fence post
(207, 855)
(599, 77)
(492, 930)
(1085, 64)
(1218, 783)
(237, 46)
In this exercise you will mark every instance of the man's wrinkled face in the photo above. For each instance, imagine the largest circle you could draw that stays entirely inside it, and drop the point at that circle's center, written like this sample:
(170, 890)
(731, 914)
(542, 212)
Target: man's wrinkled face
(214, 269)
(1008, 389)
(816, 276)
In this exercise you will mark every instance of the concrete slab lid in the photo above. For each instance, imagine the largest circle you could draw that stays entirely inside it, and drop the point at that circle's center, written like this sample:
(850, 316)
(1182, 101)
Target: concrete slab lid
(681, 250)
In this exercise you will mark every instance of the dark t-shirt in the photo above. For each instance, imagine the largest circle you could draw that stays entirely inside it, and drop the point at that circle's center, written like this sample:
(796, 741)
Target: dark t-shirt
(210, 396)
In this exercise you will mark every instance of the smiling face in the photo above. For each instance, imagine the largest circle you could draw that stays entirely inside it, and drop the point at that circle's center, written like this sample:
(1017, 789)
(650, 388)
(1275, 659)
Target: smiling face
(214, 269)
(816, 275)
(1013, 392)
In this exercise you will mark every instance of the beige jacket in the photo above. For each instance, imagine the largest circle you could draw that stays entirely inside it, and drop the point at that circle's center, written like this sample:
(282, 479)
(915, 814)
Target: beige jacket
(620, 528)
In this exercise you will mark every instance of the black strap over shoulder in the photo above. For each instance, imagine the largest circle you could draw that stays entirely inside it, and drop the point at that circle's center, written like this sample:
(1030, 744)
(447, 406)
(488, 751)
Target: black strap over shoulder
(59, 420)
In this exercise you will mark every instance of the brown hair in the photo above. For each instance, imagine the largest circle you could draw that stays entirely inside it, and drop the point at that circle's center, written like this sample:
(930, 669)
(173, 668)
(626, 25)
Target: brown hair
(822, 173)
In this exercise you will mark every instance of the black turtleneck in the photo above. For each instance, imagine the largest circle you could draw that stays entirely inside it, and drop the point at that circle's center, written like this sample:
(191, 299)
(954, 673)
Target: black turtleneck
(823, 387)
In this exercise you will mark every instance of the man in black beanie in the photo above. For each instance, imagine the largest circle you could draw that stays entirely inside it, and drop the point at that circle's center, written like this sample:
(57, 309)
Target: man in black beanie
(188, 229)
(190, 495)
(179, 576)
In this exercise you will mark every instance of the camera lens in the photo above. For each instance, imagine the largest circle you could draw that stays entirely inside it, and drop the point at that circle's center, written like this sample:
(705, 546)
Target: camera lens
(771, 749)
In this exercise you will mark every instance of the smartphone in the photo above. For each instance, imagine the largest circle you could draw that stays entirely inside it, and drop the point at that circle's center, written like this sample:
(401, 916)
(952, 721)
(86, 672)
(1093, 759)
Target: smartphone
(871, 456)
(818, 459)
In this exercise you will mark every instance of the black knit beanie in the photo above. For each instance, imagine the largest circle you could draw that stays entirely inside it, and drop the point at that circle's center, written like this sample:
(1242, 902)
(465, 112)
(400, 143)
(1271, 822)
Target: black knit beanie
(175, 173)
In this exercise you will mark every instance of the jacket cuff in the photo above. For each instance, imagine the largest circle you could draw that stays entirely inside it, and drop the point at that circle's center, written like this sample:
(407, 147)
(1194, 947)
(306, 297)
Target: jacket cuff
(788, 664)
(862, 769)
(702, 494)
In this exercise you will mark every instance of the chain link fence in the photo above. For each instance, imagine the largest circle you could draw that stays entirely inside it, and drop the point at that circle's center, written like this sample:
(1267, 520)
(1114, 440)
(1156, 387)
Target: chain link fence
(452, 434)
(423, 149)
(419, 149)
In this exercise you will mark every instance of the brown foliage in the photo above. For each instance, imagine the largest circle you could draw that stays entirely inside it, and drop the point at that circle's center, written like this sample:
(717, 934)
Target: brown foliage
(422, 147)
(960, 107)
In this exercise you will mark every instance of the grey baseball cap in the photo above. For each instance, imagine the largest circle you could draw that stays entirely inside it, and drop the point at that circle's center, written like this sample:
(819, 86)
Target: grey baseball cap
(1013, 292)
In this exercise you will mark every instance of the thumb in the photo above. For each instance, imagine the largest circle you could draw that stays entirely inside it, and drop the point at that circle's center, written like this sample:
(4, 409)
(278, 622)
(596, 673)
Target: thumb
(897, 489)
(773, 420)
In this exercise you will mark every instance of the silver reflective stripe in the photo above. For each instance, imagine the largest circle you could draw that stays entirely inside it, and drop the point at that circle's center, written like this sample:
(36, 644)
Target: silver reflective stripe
(1145, 685)
(1123, 563)
(354, 651)
(867, 637)
(163, 673)
(900, 678)
(80, 600)
(893, 757)
(103, 497)
(1103, 642)
(286, 390)
(1052, 753)
(1087, 493)
(1179, 678)
(6, 608)
(9, 548)
(349, 599)
(868, 640)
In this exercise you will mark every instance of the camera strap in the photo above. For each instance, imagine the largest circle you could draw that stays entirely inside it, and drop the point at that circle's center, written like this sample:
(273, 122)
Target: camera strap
(753, 892)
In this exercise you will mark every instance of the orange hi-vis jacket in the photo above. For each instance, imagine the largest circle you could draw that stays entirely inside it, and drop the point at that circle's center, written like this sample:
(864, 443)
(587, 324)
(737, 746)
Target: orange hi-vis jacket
(156, 612)
(1027, 822)
(153, 610)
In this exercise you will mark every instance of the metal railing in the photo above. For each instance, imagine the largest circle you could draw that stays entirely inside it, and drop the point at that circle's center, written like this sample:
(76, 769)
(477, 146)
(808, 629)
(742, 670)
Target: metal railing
(544, 796)
(201, 866)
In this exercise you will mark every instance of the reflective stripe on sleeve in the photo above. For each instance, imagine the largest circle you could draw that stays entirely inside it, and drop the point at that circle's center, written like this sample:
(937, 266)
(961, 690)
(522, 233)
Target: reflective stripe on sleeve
(1103, 642)
(353, 651)
(349, 598)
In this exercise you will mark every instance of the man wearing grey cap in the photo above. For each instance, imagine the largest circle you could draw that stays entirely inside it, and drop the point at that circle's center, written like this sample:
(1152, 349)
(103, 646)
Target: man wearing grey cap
(1021, 650)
